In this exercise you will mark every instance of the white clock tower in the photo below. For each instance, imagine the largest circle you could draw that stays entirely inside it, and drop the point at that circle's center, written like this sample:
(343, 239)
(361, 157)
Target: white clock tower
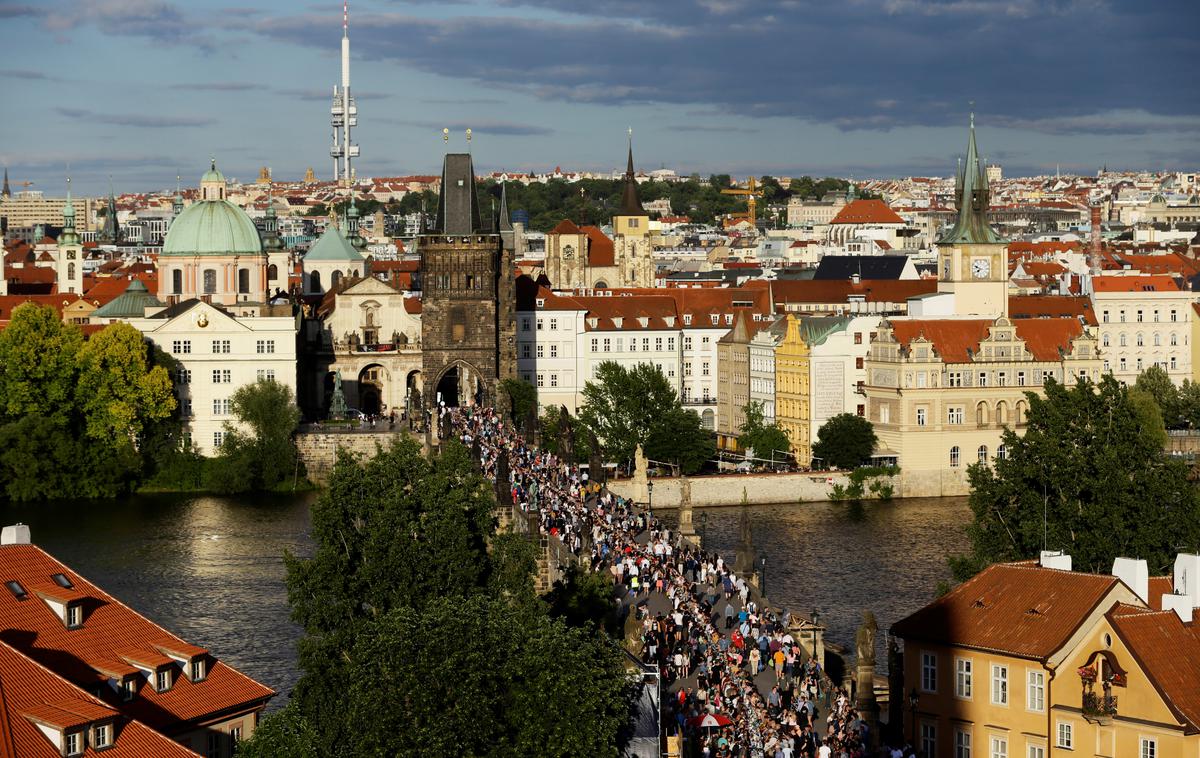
(972, 258)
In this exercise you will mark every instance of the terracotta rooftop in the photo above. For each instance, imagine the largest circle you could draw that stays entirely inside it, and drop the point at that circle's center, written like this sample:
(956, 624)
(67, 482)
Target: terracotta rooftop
(600, 247)
(956, 340)
(1168, 653)
(31, 693)
(866, 212)
(1043, 306)
(1144, 283)
(111, 637)
(833, 291)
(1022, 610)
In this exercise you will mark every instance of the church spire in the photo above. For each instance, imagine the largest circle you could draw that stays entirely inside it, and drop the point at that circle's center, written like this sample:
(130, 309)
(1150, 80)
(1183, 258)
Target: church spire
(974, 200)
(6, 192)
(68, 236)
(271, 239)
(630, 204)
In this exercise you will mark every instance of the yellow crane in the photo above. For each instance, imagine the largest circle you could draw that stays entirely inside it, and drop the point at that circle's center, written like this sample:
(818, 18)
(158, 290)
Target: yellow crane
(751, 194)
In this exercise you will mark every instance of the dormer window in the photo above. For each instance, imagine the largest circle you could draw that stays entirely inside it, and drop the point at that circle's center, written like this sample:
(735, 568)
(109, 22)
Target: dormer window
(687, 319)
(74, 743)
(714, 318)
(728, 318)
(62, 581)
(74, 616)
(162, 680)
(199, 670)
(102, 736)
(16, 589)
(128, 688)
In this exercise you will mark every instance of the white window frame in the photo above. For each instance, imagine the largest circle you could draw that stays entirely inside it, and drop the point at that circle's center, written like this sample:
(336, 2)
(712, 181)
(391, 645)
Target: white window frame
(999, 747)
(964, 674)
(1035, 751)
(1148, 747)
(928, 671)
(1065, 729)
(1035, 690)
(929, 738)
(74, 616)
(999, 691)
(102, 736)
(159, 679)
(74, 743)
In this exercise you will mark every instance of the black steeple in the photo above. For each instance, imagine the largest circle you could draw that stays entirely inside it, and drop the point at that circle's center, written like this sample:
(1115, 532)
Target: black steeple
(458, 203)
(630, 204)
(6, 192)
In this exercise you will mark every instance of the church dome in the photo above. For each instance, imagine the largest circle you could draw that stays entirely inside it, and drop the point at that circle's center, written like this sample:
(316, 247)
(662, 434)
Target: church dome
(212, 227)
(213, 175)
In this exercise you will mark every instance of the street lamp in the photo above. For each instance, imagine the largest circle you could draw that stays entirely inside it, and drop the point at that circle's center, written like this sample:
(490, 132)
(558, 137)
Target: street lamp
(762, 577)
(650, 504)
(815, 616)
(703, 529)
(913, 699)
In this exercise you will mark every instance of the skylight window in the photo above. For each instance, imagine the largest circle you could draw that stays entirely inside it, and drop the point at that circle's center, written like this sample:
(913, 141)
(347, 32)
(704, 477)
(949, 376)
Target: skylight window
(16, 589)
(62, 581)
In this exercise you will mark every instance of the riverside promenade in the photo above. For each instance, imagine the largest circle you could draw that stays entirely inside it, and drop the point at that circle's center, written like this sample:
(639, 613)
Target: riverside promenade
(743, 664)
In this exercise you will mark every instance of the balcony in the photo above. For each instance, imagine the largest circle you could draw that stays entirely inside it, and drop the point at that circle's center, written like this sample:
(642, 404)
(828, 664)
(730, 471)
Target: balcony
(1099, 709)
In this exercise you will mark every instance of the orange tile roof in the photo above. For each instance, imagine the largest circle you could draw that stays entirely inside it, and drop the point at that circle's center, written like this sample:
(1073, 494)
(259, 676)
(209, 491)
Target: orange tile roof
(955, 340)
(840, 291)
(866, 212)
(566, 226)
(1144, 283)
(600, 247)
(1042, 306)
(1168, 653)
(1043, 268)
(30, 691)
(1048, 338)
(1022, 610)
(111, 636)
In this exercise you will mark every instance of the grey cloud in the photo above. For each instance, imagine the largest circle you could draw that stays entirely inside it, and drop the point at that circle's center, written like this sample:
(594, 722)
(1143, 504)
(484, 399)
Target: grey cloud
(493, 128)
(135, 119)
(715, 129)
(221, 87)
(20, 73)
(16, 10)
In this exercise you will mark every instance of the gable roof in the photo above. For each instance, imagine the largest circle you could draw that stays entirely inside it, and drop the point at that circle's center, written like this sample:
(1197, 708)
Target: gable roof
(1043, 306)
(1145, 283)
(1018, 609)
(955, 340)
(866, 266)
(1167, 652)
(866, 212)
(600, 247)
(332, 246)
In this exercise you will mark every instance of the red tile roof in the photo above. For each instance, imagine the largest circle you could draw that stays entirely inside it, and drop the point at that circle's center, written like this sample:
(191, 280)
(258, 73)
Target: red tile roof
(1043, 268)
(866, 212)
(600, 247)
(841, 290)
(1022, 610)
(1043, 306)
(1048, 338)
(1168, 653)
(112, 635)
(1144, 283)
(956, 340)
(31, 692)
(566, 226)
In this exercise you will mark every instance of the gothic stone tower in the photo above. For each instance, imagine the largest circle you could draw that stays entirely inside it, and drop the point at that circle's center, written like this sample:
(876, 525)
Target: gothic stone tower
(468, 318)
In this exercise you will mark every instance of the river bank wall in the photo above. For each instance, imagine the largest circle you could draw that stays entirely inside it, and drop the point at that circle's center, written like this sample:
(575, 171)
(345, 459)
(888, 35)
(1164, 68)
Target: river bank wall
(318, 450)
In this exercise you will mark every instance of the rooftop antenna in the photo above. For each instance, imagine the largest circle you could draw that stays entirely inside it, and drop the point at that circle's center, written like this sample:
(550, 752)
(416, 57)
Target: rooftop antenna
(468, 140)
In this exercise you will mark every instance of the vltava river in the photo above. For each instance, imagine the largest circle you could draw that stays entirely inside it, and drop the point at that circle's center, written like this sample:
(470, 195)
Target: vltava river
(210, 569)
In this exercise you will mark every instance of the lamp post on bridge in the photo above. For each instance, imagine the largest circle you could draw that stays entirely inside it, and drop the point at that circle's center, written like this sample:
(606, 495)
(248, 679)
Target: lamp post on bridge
(762, 579)
(650, 502)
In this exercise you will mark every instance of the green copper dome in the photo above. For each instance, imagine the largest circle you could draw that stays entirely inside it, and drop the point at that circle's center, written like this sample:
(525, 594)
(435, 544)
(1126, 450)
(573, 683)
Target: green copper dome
(212, 175)
(332, 246)
(212, 227)
(131, 303)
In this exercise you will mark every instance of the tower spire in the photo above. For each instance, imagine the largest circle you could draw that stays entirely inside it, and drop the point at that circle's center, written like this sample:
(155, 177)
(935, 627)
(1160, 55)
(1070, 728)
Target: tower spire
(6, 192)
(630, 204)
(974, 198)
(68, 236)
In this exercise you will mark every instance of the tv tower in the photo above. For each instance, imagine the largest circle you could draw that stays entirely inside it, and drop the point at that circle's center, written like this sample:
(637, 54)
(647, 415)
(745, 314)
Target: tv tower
(343, 113)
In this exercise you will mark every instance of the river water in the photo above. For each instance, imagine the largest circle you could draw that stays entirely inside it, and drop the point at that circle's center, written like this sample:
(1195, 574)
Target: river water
(210, 569)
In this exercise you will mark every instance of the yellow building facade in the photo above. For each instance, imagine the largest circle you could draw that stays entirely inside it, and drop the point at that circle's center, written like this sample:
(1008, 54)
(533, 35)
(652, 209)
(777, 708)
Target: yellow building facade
(793, 402)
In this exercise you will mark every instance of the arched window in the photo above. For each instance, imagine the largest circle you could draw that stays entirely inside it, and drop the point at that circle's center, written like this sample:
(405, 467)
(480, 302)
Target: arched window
(1124, 341)
(272, 272)
(1174, 340)
(954, 457)
(1019, 416)
(243, 280)
(981, 414)
(1157, 339)
(314, 281)
(210, 281)
(983, 456)
(708, 418)
(1105, 341)
(1001, 412)
(70, 270)
(177, 281)
(1140, 342)
(334, 278)
(1002, 452)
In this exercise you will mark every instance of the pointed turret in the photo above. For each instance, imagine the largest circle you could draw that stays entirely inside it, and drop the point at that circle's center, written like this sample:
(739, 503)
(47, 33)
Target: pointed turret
(458, 202)
(110, 234)
(505, 222)
(974, 200)
(630, 204)
(177, 201)
(270, 241)
(6, 192)
(68, 236)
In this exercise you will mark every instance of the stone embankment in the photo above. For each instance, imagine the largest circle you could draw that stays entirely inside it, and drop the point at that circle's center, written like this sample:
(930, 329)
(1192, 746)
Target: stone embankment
(318, 449)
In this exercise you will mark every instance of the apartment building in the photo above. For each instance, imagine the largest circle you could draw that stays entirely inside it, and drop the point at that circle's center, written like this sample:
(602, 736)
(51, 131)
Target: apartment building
(1144, 320)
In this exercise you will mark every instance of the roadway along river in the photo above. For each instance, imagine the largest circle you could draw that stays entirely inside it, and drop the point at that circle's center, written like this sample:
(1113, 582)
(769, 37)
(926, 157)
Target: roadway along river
(210, 569)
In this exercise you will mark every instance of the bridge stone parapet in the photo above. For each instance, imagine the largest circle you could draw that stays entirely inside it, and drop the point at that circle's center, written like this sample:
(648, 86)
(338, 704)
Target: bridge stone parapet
(318, 449)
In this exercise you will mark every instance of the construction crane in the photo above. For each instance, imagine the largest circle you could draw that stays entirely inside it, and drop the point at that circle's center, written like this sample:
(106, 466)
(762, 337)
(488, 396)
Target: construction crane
(751, 194)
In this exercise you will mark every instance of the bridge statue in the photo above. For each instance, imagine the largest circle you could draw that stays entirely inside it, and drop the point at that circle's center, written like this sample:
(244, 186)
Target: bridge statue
(337, 403)
(865, 703)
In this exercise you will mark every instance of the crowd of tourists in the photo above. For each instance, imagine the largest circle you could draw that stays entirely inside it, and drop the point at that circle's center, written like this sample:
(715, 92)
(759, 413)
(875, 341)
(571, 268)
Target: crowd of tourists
(708, 637)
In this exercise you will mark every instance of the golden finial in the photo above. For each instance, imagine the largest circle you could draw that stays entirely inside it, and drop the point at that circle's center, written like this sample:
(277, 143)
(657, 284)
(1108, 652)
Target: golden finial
(446, 135)
(468, 134)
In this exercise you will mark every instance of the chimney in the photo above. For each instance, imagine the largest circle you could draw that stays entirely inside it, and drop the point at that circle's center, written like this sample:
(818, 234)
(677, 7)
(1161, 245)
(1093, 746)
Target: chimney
(1134, 572)
(1180, 604)
(855, 278)
(1055, 559)
(17, 534)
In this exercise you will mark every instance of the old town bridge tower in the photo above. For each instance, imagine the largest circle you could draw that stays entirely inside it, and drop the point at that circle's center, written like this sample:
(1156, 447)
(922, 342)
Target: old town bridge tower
(468, 293)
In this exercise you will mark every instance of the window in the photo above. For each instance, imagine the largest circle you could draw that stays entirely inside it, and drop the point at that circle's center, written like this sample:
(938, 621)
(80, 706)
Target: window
(1105, 316)
(1139, 364)
(928, 739)
(658, 343)
(1139, 315)
(128, 688)
(74, 616)
(221, 406)
(541, 349)
(1173, 341)
(983, 454)
(214, 745)
(1001, 452)
(1173, 364)
(954, 457)
(74, 743)
(541, 380)
(999, 747)
(645, 344)
(704, 368)
(954, 379)
(102, 736)
(181, 346)
(999, 684)
(162, 681)
(183, 376)
(962, 677)
(222, 376)
(1064, 734)
(1036, 751)
(554, 380)
(554, 349)
(525, 351)
(525, 323)
(1140, 341)
(554, 325)
(1157, 339)
(1020, 378)
(1035, 699)
(983, 379)
(1105, 341)
(920, 417)
(928, 672)
(1122, 314)
(1149, 748)
(954, 415)
(220, 346)
(607, 345)
(921, 380)
(1001, 378)
(962, 744)
(1173, 317)
(210, 281)
(235, 734)
(595, 344)
(218, 439)
(265, 346)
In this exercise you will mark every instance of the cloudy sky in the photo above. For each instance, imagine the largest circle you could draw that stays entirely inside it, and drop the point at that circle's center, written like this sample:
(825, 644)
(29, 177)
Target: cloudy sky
(145, 89)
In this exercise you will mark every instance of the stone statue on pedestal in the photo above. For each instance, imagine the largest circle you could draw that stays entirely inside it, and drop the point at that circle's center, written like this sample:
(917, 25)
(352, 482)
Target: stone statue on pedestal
(686, 527)
(865, 703)
(566, 435)
(744, 564)
(337, 403)
(641, 476)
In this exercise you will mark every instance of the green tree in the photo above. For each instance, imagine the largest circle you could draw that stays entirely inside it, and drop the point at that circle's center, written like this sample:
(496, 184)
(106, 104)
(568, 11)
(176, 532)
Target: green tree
(521, 397)
(38, 369)
(846, 441)
(1090, 477)
(286, 733)
(763, 437)
(679, 437)
(623, 406)
(1156, 383)
(552, 430)
(259, 453)
(118, 392)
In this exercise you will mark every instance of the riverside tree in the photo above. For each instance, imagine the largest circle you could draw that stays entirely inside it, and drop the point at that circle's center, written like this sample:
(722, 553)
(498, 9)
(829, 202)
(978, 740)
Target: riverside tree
(423, 635)
(1088, 476)
(846, 441)
(764, 438)
(258, 453)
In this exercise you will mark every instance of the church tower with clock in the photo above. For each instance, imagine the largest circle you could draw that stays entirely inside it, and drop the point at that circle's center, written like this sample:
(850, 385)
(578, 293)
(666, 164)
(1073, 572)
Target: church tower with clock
(972, 258)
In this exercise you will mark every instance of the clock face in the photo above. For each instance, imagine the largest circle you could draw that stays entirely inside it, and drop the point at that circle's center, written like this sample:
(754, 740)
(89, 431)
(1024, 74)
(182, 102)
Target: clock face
(980, 268)
(568, 252)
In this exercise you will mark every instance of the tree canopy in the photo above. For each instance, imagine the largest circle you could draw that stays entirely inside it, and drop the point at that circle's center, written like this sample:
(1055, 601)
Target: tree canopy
(258, 453)
(412, 600)
(1088, 476)
(760, 436)
(846, 441)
